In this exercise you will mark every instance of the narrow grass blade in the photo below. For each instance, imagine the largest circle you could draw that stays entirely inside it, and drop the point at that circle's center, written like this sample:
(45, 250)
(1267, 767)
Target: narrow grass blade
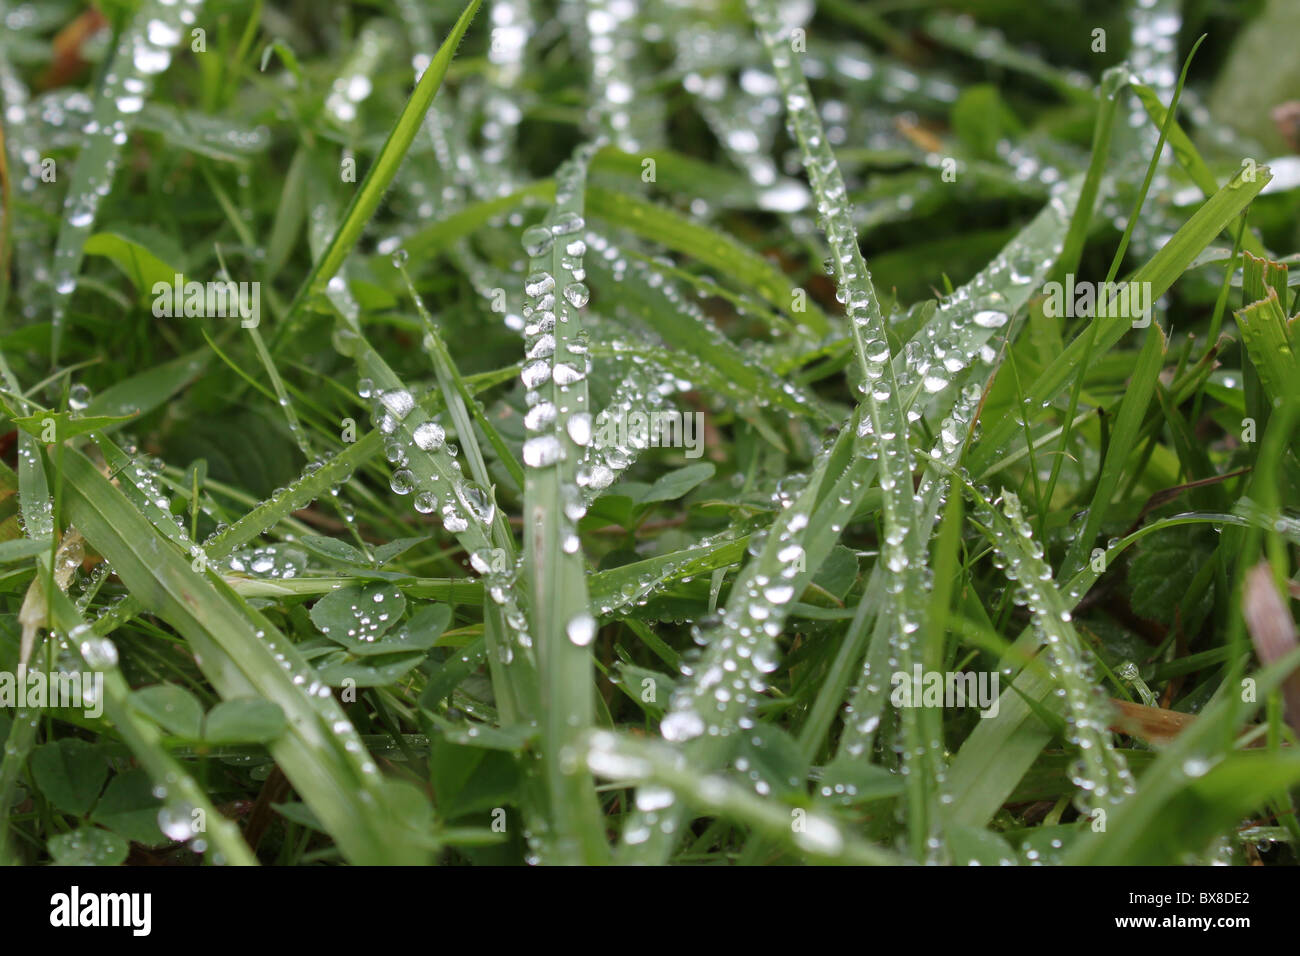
(560, 428)
(1162, 270)
(659, 770)
(884, 422)
(1123, 440)
(378, 178)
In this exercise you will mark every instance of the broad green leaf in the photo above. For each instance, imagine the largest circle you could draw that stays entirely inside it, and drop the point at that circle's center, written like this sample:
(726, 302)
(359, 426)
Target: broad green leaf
(676, 484)
(88, 846)
(1267, 338)
(130, 809)
(358, 614)
(137, 263)
(172, 708)
(243, 720)
(55, 427)
(332, 549)
(70, 773)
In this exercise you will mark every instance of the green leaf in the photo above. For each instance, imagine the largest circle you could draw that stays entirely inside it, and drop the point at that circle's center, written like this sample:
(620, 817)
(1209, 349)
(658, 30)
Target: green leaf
(172, 708)
(137, 263)
(70, 773)
(1161, 573)
(88, 846)
(855, 783)
(1123, 439)
(331, 548)
(386, 552)
(449, 675)
(981, 120)
(975, 846)
(20, 548)
(142, 393)
(212, 136)
(560, 618)
(838, 572)
(66, 425)
(1264, 331)
(1162, 271)
(244, 720)
(130, 809)
(378, 671)
(359, 615)
(678, 483)
(1206, 802)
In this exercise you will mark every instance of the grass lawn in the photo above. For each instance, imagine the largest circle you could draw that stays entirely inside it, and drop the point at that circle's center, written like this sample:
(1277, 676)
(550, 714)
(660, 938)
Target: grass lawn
(693, 432)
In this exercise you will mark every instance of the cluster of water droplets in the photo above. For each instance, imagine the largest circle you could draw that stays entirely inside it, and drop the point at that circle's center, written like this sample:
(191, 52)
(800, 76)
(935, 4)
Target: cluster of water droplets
(437, 483)
(643, 388)
(558, 420)
(1101, 773)
(1153, 57)
(353, 86)
(722, 683)
(718, 696)
(661, 574)
(427, 469)
(272, 561)
(144, 50)
(620, 111)
(512, 24)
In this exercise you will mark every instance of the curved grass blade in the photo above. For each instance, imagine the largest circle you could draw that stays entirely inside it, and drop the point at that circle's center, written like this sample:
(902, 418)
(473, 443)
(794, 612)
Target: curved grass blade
(242, 654)
(1103, 775)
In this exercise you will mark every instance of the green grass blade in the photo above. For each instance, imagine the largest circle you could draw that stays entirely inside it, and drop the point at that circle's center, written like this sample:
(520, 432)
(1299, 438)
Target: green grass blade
(243, 655)
(371, 190)
(559, 431)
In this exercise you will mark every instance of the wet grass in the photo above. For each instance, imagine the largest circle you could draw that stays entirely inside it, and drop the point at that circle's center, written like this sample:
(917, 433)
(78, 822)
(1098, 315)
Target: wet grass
(604, 415)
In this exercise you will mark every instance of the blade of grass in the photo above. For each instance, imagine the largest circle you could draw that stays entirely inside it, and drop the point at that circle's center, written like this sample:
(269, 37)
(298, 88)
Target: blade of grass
(242, 654)
(553, 562)
(377, 179)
